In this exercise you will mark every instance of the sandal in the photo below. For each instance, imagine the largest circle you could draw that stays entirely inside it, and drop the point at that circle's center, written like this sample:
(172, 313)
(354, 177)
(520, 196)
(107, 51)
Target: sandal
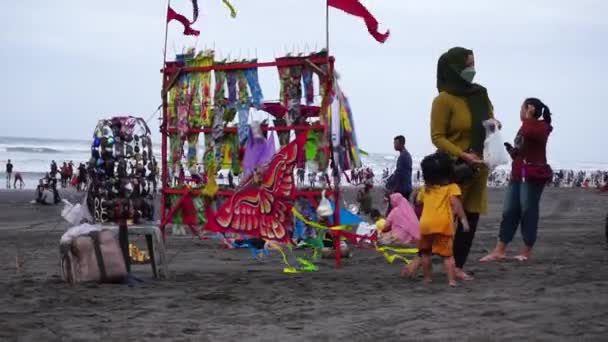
(492, 257)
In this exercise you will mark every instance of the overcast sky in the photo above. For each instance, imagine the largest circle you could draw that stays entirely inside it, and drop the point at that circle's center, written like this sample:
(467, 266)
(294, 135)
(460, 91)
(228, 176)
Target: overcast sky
(67, 63)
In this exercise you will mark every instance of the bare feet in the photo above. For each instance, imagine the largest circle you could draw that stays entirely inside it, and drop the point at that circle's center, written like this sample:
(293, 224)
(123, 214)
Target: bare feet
(453, 283)
(524, 255)
(494, 256)
(461, 275)
(427, 281)
(521, 258)
(410, 270)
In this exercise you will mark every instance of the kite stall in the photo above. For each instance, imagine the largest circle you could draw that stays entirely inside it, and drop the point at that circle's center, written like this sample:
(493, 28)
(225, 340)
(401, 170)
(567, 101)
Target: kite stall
(209, 130)
(208, 105)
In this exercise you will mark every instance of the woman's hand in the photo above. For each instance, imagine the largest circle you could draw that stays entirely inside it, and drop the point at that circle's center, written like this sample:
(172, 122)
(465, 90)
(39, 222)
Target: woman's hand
(465, 225)
(471, 158)
(498, 124)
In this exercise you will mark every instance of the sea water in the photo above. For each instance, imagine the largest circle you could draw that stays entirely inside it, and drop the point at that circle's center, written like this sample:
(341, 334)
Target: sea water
(32, 158)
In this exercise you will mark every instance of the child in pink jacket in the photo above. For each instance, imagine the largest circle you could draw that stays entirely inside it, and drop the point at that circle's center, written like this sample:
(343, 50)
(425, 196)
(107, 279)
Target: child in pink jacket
(402, 225)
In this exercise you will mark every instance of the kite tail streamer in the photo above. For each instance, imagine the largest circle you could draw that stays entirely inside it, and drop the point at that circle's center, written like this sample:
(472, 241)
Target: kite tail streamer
(220, 80)
(397, 253)
(230, 7)
(294, 94)
(232, 94)
(309, 91)
(243, 128)
(194, 11)
(254, 86)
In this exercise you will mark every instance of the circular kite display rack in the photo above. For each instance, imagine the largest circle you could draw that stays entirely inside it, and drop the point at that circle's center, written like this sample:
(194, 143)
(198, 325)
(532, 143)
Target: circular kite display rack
(121, 155)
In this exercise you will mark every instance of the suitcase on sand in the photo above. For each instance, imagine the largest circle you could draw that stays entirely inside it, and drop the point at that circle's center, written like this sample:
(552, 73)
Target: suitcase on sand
(93, 257)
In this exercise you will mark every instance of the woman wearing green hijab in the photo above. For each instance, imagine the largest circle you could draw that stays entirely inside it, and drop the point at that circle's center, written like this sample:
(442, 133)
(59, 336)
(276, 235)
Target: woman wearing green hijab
(456, 128)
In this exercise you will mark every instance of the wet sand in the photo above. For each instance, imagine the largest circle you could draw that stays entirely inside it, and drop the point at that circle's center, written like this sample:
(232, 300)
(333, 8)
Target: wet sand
(215, 294)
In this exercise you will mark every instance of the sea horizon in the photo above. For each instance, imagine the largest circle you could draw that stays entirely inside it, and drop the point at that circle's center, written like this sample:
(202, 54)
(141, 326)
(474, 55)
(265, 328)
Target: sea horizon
(33, 155)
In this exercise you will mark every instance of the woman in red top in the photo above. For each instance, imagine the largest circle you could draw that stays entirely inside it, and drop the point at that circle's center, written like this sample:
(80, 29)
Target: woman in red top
(529, 175)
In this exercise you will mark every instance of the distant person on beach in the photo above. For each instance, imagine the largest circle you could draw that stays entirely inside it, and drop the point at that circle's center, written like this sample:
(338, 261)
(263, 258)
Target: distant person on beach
(364, 198)
(401, 180)
(54, 169)
(440, 198)
(152, 175)
(301, 173)
(64, 175)
(230, 180)
(312, 178)
(82, 177)
(9, 173)
(529, 175)
(19, 178)
(70, 173)
(457, 116)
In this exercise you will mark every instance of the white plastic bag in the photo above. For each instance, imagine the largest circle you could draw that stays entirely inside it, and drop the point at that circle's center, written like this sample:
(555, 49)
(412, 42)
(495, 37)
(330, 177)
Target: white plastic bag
(76, 213)
(72, 213)
(494, 153)
(81, 229)
(366, 229)
(324, 209)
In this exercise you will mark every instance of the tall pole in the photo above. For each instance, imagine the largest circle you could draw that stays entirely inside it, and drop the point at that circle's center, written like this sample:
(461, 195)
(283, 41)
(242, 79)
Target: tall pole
(166, 36)
(163, 129)
(336, 173)
(327, 27)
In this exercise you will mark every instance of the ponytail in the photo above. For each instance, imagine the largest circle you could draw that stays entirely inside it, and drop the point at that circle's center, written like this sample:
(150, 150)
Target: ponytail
(540, 109)
(546, 114)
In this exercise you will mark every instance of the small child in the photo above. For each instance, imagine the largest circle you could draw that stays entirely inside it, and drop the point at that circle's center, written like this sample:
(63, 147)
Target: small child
(440, 199)
(378, 220)
(364, 198)
(402, 226)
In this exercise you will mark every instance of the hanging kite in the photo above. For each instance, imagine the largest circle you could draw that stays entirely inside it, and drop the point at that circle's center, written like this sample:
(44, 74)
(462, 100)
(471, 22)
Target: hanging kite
(262, 206)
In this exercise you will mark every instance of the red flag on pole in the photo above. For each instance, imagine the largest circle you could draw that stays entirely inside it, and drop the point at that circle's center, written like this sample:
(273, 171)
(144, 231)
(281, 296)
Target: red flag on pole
(188, 30)
(354, 7)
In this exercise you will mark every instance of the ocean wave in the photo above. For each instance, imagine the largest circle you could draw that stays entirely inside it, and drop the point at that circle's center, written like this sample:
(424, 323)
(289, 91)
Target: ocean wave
(32, 149)
(43, 149)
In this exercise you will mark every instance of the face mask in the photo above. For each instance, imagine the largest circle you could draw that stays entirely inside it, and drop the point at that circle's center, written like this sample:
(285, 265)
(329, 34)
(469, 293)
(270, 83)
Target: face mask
(468, 74)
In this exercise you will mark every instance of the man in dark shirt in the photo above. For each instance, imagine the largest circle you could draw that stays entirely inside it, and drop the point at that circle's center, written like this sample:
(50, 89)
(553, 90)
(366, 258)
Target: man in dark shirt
(401, 180)
(9, 173)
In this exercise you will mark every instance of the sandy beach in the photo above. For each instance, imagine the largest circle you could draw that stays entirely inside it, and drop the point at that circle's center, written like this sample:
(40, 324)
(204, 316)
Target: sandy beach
(215, 294)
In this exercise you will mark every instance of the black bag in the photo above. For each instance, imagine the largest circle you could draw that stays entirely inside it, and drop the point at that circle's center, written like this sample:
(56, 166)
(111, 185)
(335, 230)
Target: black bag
(462, 171)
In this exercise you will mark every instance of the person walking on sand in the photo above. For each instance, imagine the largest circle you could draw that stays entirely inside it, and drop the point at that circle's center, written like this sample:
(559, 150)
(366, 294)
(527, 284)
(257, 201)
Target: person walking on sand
(9, 173)
(401, 180)
(19, 178)
(529, 175)
(440, 198)
(457, 116)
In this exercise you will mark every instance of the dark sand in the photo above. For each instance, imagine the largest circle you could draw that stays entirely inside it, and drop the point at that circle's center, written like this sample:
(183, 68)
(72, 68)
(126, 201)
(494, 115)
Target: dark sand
(223, 295)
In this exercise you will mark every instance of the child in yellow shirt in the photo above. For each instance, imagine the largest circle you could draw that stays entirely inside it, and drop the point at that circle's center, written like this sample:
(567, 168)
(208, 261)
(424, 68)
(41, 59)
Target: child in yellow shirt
(440, 199)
